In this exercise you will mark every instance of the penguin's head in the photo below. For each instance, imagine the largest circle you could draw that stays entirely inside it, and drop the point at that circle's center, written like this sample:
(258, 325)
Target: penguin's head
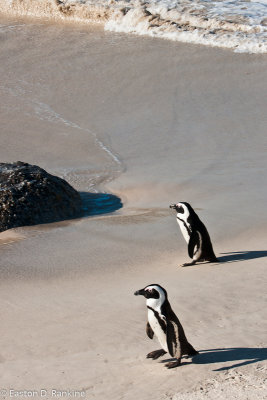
(183, 209)
(155, 294)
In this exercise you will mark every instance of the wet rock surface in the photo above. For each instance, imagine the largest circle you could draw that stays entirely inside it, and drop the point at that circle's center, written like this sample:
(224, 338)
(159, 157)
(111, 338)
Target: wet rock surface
(29, 195)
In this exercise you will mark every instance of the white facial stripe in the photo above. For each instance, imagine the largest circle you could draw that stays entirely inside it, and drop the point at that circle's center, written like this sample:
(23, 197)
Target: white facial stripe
(155, 303)
(157, 288)
(183, 216)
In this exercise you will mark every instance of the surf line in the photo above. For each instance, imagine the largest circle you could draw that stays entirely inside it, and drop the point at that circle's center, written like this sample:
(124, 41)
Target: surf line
(45, 112)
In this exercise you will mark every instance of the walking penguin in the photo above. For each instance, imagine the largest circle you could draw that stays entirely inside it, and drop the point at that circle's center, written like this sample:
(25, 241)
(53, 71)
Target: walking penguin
(195, 234)
(163, 322)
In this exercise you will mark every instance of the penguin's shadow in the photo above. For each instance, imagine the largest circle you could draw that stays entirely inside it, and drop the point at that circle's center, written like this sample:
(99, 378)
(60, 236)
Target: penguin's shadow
(242, 255)
(99, 203)
(237, 356)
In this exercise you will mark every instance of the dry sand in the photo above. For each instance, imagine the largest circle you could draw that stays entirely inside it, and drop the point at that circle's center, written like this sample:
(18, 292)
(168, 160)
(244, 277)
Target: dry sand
(154, 123)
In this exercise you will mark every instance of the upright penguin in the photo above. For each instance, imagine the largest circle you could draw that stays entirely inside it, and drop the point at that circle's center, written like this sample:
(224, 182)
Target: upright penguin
(195, 234)
(163, 322)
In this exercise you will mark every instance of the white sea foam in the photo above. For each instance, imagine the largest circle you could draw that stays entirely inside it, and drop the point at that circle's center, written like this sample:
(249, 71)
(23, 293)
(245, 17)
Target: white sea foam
(240, 25)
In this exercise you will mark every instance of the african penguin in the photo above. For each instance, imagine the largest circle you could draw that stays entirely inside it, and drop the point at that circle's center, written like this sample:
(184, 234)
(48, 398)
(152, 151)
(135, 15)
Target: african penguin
(195, 234)
(165, 325)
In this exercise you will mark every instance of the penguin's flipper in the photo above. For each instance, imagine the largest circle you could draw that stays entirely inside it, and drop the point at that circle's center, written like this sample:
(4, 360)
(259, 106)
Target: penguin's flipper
(149, 331)
(172, 337)
(193, 242)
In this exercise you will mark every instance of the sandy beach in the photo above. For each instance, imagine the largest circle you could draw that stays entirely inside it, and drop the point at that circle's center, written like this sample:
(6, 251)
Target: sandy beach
(152, 122)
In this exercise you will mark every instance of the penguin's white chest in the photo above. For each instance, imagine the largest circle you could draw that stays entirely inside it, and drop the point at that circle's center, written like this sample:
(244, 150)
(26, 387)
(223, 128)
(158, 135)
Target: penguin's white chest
(154, 323)
(184, 230)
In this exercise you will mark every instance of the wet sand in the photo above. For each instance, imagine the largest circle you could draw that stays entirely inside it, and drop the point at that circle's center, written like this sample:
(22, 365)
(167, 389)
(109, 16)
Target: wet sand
(153, 122)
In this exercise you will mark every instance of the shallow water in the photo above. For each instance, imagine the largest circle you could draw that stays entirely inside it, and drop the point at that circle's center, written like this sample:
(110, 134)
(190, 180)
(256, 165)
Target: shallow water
(45, 89)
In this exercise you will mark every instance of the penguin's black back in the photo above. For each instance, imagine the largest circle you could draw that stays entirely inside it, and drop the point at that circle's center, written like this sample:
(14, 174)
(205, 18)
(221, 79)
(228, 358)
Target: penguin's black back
(207, 252)
(186, 347)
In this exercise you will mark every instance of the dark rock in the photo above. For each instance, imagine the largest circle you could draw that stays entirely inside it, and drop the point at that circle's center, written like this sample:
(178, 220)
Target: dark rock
(29, 196)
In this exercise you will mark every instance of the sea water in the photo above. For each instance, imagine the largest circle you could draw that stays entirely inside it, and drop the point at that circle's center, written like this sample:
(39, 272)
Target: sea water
(240, 25)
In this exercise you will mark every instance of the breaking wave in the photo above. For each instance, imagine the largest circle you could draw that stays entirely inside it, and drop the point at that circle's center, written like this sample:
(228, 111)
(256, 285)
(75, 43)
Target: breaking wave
(240, 25)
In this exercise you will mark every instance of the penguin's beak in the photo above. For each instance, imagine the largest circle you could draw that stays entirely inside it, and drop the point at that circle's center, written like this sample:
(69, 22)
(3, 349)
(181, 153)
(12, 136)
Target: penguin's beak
(140, 292)
(173, 206)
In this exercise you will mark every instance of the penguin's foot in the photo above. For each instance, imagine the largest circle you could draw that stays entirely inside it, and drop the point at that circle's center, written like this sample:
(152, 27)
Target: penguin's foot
(156, 354)
(173, 364)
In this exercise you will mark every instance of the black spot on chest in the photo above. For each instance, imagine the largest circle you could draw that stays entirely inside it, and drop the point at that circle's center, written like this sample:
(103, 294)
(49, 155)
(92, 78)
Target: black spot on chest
(187, 226)
(161, 321)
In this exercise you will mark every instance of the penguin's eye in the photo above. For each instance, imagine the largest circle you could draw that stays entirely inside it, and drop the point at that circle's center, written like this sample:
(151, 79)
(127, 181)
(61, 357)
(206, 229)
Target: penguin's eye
(180, 210)
(149, 290)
